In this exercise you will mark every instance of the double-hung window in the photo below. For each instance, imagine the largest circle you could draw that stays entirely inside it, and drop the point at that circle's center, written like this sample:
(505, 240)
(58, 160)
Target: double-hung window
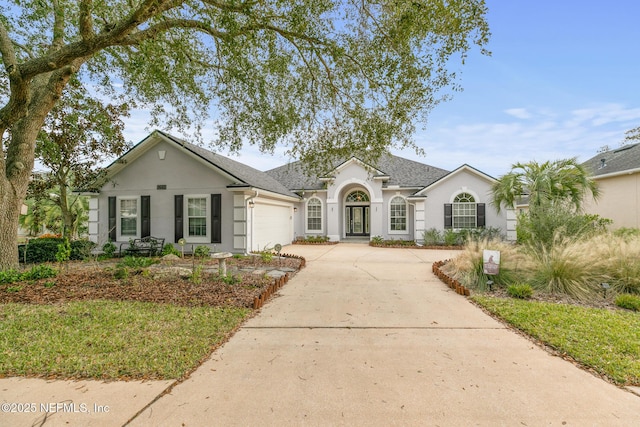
(128, 218)
(197, 217)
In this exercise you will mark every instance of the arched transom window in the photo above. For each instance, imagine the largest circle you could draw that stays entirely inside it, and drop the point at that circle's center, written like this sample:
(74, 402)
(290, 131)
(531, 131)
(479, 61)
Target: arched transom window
(397, 214)
(464, 211)
(357, 196)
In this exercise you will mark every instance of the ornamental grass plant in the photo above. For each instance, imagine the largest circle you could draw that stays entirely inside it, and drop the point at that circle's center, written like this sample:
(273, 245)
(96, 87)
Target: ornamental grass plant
(468, 267)
(573, 267)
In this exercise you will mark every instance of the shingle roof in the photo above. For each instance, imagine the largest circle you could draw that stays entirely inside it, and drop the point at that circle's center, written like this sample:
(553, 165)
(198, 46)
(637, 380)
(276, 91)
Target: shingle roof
(621, 159)
(401, 172)
(243, 173)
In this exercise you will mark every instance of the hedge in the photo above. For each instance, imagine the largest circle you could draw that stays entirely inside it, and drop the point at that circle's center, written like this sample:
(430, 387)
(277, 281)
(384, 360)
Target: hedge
(44, 250)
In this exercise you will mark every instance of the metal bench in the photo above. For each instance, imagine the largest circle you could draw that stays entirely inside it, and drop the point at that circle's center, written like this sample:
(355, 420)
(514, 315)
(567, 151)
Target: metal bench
(146, 246)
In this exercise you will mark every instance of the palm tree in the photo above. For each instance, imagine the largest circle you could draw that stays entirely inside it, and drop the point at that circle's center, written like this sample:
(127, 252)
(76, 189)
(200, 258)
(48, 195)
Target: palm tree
(552, 182)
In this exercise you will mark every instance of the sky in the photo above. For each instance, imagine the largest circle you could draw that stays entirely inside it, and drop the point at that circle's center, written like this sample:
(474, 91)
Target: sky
(563, 80)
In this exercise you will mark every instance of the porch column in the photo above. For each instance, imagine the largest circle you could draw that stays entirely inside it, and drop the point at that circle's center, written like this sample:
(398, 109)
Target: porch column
(419, 218)
(333, 221)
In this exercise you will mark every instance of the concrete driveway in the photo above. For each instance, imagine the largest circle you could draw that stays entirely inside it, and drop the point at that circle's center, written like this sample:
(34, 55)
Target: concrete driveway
(368, 336)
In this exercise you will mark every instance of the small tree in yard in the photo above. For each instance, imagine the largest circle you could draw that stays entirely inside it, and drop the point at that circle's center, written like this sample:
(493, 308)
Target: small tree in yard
(79, 133)
(325, 79)
(556, 190)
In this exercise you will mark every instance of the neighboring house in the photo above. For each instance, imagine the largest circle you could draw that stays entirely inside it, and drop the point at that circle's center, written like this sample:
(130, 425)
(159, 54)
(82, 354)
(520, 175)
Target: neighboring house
(166, 187)
(617, 173)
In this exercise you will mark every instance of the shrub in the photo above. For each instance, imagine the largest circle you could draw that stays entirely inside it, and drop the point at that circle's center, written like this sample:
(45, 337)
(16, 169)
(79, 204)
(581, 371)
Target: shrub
(45, 250)
(201, 251)
(10, 276)
(316, 239)
(230, 279)
(630, 302)
(121, 273)
(41, 271)
(81, 249)
(136, 262)
(169, 249)
(522, 291)
(377, 240)
(556, 219)
(266, 256)
(432, 237)
(109, 249)
(64, 251)
(453, 238)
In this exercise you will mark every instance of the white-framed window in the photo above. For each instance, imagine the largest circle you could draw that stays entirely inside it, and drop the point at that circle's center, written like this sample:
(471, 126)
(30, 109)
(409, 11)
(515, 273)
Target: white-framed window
(397, 215)
(314, 215)
(197, 221)
(464, 211)
(128, 212)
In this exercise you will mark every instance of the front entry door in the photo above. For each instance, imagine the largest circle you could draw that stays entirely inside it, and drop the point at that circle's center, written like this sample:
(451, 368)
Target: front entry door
(357, 220)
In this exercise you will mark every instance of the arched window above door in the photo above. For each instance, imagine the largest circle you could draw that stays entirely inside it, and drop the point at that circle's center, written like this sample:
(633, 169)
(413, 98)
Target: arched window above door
(357, 196)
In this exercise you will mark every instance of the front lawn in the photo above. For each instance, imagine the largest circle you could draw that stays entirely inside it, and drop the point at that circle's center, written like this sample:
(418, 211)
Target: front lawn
(606, 341)
(139, 318)
(110, 339)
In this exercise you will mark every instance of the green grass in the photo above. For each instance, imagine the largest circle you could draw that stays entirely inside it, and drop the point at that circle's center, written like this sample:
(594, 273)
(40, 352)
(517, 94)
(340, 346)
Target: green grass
(110, 339)
(604, 340)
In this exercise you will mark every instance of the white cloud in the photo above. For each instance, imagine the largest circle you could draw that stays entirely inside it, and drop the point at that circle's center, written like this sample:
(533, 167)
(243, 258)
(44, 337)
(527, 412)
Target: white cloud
(520, 113)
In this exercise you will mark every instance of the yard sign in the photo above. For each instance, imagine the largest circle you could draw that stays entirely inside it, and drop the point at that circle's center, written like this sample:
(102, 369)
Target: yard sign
(491, 262)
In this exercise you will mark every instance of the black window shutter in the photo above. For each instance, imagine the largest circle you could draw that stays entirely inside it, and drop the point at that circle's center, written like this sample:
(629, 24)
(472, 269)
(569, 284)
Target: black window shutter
(481, 217)
(216, 218)
(448, 215)
(145, 208)
(179, 216)
(112, 219)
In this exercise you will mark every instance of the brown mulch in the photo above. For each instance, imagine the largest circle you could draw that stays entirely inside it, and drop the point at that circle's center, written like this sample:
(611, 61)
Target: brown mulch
(81, 281)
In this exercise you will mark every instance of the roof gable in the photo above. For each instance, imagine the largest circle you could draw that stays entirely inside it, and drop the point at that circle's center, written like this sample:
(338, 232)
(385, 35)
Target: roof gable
(239, 173)
(465, 168)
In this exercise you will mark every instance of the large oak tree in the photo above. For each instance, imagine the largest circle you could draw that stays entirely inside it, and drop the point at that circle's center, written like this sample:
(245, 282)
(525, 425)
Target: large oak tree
(324, 78)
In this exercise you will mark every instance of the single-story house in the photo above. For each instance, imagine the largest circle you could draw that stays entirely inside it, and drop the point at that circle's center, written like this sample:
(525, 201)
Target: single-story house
(617, 173)
(167, 187)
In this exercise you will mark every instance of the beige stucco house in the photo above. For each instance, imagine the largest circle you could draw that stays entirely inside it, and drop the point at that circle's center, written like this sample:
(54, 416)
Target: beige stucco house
(617, 173)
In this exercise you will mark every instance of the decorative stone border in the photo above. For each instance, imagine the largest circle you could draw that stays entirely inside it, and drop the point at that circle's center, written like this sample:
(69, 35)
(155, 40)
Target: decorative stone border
(277, 283)
(452, 283)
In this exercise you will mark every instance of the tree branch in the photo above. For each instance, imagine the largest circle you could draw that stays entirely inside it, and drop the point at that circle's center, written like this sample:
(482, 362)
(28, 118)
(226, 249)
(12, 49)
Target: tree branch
(86, 21)
(58, 26)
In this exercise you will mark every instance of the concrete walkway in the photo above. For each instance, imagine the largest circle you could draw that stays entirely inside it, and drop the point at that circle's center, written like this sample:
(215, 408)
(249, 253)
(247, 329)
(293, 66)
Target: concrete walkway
(367, 336)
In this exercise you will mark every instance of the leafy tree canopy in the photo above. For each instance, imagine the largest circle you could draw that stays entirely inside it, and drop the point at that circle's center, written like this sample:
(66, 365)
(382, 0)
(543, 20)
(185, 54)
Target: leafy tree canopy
(324, 78)
(553, 182)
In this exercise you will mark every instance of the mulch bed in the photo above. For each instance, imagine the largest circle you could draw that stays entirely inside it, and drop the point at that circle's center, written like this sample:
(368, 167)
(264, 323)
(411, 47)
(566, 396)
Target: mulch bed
(81, 281)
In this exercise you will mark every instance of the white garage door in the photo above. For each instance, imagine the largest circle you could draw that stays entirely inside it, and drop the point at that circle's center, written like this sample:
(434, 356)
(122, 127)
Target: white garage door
(272, 224)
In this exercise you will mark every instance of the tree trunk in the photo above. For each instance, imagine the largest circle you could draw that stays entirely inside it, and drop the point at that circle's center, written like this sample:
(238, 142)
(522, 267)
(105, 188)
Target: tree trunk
(9, 227)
